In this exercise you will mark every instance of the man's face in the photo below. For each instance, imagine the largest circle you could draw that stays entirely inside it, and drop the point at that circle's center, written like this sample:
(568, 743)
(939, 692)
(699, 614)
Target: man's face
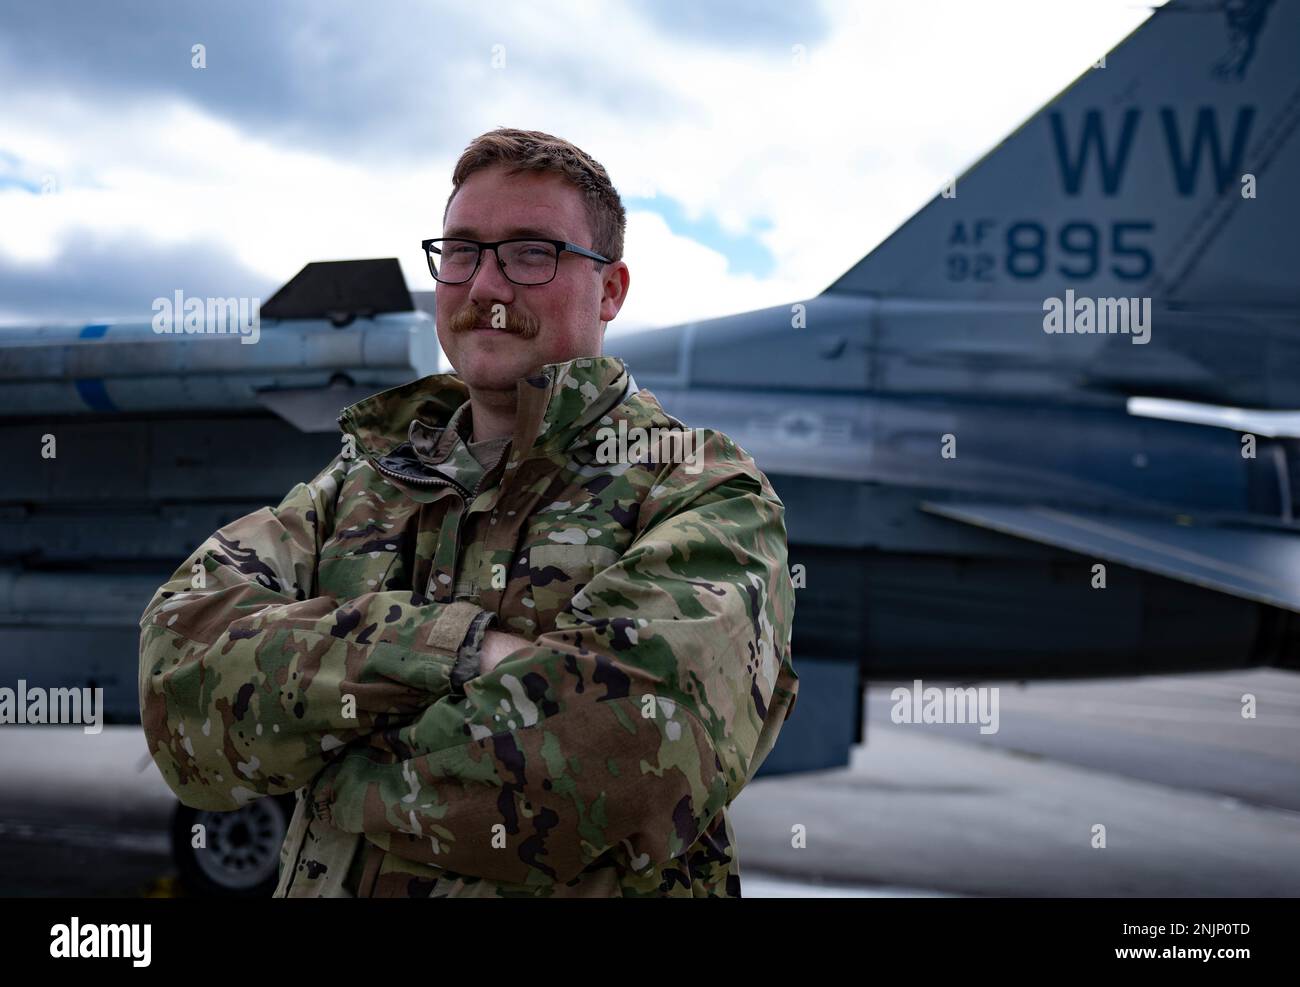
(567, 312)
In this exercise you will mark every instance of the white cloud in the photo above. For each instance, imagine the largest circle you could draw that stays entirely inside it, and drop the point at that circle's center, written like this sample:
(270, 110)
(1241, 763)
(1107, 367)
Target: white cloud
(834, 153)
(677, 279)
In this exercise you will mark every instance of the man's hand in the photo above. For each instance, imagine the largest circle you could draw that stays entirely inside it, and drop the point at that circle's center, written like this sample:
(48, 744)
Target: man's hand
(496, 645)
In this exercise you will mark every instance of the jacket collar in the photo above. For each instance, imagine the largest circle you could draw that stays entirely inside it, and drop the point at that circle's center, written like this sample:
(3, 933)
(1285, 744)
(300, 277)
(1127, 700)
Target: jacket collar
(554, 407)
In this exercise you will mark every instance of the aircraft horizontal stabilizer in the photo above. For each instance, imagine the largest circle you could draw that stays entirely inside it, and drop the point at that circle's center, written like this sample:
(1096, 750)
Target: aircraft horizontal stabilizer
(1250, 562)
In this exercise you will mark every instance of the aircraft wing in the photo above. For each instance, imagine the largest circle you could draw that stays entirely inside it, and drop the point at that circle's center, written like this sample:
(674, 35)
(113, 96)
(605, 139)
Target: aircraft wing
(1255, 563)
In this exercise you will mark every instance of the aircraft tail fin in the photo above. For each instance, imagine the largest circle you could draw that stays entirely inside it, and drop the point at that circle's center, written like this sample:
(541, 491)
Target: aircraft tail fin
(1164, 171)
(341, 290)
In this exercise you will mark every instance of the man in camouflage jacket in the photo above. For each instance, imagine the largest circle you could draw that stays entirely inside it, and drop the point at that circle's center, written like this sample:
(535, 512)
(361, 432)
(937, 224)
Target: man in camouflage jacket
(488, 665)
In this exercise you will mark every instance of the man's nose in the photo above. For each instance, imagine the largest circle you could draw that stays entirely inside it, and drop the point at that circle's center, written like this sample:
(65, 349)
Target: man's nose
(489, 284)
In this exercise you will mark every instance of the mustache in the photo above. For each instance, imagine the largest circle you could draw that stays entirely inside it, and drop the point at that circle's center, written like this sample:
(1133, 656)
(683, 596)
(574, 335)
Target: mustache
(517, 322)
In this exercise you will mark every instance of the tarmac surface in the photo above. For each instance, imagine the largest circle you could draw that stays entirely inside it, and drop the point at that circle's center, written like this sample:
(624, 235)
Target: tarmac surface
(1195, 800)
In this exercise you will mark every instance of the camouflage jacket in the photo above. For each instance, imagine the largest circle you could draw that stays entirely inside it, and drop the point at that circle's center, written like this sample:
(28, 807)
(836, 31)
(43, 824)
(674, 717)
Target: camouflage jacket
(329, 646)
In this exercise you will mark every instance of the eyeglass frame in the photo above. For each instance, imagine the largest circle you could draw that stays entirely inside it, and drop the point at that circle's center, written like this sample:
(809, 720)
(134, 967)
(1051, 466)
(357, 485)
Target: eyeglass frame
(561, 246)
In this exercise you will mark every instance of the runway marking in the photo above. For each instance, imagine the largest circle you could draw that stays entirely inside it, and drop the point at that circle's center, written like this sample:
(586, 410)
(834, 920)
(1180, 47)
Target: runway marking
(1094, 708)
(1025, 704)
(766, 885)
(163, 887)
(1234, 692)
(138, 841)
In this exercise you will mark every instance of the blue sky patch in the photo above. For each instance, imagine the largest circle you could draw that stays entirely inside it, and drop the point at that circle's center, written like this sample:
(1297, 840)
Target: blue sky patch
(745, 253)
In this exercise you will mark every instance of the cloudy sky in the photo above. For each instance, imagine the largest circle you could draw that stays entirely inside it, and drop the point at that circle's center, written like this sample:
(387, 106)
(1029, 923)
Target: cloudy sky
(761, 147)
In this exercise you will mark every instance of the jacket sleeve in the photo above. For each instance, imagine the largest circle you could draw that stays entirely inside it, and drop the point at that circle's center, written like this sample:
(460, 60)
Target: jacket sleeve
(250, 683)
(632, 724)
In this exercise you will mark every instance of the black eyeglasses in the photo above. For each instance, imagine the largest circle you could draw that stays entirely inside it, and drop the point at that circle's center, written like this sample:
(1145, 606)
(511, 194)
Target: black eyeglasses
(525, 261)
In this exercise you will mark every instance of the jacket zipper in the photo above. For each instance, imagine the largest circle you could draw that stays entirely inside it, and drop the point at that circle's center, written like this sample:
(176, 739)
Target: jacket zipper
(436, 481)
(430, 480)
(417, 480)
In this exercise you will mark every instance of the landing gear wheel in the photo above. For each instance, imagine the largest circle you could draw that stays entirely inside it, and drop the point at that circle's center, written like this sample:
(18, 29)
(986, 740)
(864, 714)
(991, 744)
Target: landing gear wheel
(241, 857)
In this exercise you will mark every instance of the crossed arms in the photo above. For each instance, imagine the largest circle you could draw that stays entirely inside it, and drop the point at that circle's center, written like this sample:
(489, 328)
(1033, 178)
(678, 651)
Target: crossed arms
(630, 725)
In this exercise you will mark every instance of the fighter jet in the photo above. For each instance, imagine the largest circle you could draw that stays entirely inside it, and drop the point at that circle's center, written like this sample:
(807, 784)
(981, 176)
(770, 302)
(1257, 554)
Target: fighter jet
(1045, 429)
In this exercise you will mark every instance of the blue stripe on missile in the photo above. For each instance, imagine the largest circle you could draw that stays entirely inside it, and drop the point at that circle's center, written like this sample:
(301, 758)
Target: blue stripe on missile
(91, 389)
